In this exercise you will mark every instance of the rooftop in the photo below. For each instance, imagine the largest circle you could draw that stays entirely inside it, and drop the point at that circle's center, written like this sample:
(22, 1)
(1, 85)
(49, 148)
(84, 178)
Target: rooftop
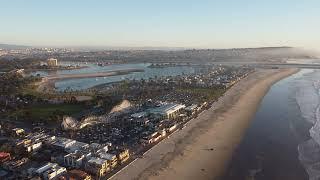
(97, 160)
(4, 155)
(107, 156)
(45, 167)
(77, 146)
(62, 142)
(139, 114)
(167, 108)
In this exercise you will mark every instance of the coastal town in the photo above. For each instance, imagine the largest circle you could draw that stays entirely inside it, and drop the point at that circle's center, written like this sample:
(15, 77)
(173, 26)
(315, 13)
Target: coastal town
(95, 133)
(159, 90)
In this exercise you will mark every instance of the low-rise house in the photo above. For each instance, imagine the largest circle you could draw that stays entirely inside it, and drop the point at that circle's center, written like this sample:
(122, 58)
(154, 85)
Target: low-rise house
(77, 146)
(154, 137)
(50, 171)
(60, 142)
(66, 144)
(17, 132)
(54, 172)
(123, 155)
(157, 137)
(112, 159)
(172, 128)
(97, 166)
(147, 140)
(4, 157)
(44, 168)
(36, 137)
(32, 147)
(163, 132)
(76, 159)
(94, 147)
(14, 165)
(191, 109)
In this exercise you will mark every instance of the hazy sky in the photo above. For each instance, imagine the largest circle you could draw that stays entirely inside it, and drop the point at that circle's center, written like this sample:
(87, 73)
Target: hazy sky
(177, 23)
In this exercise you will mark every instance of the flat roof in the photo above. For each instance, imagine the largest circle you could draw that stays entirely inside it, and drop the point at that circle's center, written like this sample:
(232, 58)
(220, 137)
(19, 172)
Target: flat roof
(62, 142)
(107, 156)
(97, 160)
(77, 146)
(139, 114)
(45, 167)
(192, 107)
(167, 108)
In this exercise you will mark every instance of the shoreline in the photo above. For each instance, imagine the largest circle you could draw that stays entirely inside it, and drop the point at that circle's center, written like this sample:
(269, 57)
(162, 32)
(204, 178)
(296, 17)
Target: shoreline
(48, 83)
(55, 69)
(93, 75)
(204, 147)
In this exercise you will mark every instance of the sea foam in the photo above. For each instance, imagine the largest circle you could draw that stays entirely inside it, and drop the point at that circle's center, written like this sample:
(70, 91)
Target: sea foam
(308, 98)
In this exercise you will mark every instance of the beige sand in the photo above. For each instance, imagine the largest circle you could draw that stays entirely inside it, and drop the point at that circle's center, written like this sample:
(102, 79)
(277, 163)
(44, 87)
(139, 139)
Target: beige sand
(204, 147)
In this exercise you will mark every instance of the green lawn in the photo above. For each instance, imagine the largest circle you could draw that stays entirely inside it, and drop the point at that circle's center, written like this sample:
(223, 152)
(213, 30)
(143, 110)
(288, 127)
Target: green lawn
(45, 111)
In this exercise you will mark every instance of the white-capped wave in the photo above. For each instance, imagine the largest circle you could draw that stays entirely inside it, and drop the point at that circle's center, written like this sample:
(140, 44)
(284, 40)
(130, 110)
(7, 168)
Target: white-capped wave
(308, 98)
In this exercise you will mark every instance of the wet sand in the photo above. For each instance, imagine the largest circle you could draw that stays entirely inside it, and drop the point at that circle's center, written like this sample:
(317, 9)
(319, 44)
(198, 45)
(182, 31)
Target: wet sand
(204, 147)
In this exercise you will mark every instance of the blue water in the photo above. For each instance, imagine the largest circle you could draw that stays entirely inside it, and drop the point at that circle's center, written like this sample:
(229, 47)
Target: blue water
(269, 150)
(84, 83)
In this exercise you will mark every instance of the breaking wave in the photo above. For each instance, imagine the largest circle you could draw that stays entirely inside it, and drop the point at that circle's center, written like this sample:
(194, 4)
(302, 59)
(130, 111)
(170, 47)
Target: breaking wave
(308, 99)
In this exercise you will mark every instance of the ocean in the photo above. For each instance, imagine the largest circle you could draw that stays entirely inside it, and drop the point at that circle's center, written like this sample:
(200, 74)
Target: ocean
(283, 139)
(85, 83)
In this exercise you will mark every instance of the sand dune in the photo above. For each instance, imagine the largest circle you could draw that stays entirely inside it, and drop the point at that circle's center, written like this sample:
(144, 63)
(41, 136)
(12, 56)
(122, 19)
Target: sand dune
(204, 147)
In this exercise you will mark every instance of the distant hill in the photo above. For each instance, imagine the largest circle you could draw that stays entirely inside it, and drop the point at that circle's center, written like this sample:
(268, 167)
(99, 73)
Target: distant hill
(12, 46)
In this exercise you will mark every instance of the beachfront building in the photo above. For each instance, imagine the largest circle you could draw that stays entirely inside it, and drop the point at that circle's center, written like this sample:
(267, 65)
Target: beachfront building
(191, 110)
(32, 147)
(77, 146)
(123, 155)
(50, 171)
(52, 62)
(97, 166)
(170, 110)
(76, 159)
(17, 132)
(68, 145)
(60, 143)
(152, 138)
(111, 158)
(172, 128)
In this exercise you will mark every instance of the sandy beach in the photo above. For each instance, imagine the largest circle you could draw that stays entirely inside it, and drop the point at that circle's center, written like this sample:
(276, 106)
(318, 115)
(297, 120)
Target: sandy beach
(204, 147)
